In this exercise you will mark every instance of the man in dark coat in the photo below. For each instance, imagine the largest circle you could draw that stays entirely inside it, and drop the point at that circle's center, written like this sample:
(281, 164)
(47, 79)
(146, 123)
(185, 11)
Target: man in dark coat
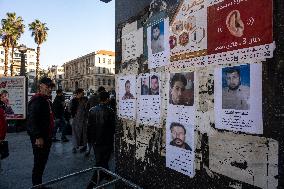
(40, 126)
(92, 102)
(58, 109)
(101, 124)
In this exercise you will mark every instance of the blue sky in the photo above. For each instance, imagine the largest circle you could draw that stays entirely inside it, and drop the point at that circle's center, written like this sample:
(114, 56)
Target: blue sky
(75, 27)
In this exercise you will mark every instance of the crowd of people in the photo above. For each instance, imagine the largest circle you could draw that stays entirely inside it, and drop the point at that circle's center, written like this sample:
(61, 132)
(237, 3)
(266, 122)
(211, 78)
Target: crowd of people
(90, 120)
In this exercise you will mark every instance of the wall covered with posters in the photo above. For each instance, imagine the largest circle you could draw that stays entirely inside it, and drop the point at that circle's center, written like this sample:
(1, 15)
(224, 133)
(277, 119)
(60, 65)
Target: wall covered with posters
(199, 86)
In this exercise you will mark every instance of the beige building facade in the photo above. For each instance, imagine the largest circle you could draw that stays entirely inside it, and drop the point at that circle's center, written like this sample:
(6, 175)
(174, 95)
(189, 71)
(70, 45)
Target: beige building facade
(90, 71)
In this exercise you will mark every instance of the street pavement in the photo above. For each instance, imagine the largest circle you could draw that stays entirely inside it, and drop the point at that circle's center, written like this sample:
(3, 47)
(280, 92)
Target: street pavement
(17, 168)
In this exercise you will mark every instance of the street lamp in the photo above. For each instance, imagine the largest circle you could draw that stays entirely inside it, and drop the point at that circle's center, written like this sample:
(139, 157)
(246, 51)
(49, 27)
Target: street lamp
(23, 49)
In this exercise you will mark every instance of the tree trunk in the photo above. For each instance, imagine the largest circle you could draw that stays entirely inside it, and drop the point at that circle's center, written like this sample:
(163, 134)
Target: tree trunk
(6, 61)
(12, 62)
(37, 64)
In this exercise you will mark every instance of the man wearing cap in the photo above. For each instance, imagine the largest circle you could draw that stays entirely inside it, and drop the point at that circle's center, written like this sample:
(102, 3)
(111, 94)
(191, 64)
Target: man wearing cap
(40, 123)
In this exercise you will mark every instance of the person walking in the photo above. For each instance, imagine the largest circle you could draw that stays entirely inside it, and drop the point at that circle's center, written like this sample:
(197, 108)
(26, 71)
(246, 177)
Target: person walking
(40, 124)
(60, 123)
(79, 123)
(3, 123)
(101, 124)
(92, 102)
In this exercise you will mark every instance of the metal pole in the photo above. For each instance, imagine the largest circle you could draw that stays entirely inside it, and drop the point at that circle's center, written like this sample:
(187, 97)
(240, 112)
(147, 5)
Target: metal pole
(23, 65)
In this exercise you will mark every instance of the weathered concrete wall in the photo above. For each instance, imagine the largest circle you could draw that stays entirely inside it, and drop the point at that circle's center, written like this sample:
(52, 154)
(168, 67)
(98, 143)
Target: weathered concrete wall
(223, 159)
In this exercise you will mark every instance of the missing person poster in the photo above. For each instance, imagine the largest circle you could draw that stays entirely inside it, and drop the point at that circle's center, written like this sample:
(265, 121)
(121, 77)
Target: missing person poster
(127, 96)
(13, 94)
(180, 123)
(180, 146)
(181, 96)
(238, 98)
(149, 103)
(157, 42)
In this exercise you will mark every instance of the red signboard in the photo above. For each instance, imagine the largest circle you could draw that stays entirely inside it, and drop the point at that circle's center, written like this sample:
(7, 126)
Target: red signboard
(237, 24)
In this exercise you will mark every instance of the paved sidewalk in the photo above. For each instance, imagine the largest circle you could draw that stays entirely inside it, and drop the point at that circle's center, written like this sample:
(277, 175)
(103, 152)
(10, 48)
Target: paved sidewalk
(17, 168)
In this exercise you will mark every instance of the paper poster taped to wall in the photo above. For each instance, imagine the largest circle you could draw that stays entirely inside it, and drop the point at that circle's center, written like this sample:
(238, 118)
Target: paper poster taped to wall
(238, 98)
(149, 103)
(180, 123)
(158, 46)
(13, 90)
(188, 31)
(127, 96)
(221, 32)
(132, 45)
(180, 146)
(240, 25)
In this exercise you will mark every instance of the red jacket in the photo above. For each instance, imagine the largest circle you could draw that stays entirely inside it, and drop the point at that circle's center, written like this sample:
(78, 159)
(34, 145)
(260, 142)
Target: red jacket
(3, 124)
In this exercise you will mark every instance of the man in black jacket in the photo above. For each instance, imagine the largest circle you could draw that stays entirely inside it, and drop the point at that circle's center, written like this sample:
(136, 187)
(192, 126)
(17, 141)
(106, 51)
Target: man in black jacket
(101, 125)
(58, 109)
(39, 126)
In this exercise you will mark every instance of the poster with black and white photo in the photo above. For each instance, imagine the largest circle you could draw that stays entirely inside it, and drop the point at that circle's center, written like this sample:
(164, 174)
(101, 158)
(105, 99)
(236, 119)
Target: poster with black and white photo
(238, 98)
(149, 103)
(127, 96)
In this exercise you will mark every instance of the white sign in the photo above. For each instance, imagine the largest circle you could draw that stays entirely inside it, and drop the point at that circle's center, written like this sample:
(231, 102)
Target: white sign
(158, 44)
(127, 96)
(238, 98)
(149, 103)
(14, 90)
(180, 147)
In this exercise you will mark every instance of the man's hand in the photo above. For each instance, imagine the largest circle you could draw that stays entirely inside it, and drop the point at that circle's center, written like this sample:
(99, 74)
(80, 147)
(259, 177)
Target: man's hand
(39, 142)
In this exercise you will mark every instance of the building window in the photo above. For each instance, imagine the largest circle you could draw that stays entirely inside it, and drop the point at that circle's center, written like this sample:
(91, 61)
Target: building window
(99, 81)
(104, 81)
(99, 70)
(104, 60)
(2, 52)
(104, 70)
(109, 82)
(99, 60)
(109, 61)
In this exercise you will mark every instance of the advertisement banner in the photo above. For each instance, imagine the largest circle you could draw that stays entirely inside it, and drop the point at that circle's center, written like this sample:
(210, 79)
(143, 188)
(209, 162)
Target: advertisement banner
(238, 24)
(13, 92)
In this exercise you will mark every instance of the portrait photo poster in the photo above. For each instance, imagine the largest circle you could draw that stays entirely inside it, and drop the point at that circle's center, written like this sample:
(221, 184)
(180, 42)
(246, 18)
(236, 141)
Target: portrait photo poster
(15, 87)
(238, 98)
(157, 42)
(149, 99)
(127, 96)
(181, 96)
(180, 147)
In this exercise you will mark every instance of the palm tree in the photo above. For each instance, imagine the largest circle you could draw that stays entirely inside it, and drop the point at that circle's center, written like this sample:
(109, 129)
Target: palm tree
(18, 30)
(39, 32)
(6, 33)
